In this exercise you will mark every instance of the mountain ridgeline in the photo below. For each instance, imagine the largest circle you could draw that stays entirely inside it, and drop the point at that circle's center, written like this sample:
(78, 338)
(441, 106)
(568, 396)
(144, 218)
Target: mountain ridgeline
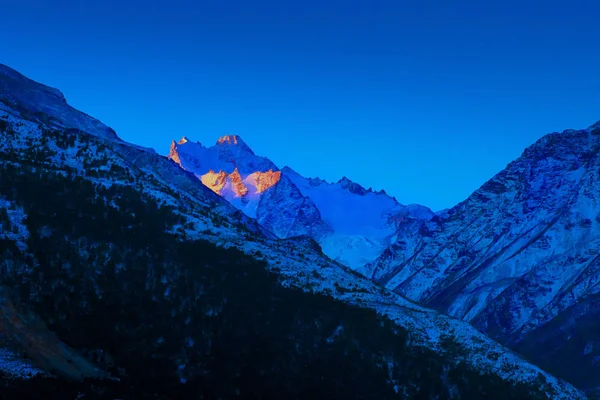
(123, 275)
(352, 224)
(519, 258)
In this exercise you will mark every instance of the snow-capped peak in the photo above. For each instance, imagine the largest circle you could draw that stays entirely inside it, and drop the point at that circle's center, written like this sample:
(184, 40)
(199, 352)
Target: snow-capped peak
(351, 223)
(344, 180)
(353, 187)
(231, 139)
(235, 142)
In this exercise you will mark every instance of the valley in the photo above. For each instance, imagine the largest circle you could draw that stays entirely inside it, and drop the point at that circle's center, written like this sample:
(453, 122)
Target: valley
(213, 272)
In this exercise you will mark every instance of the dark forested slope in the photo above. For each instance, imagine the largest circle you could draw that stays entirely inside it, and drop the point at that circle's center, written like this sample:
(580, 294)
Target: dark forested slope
(189, 320)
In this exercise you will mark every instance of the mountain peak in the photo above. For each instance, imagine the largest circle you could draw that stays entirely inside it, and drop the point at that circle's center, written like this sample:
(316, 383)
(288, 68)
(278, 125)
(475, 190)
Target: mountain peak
(183, 140)
(352, 187)
(231, 140)
(233, 143)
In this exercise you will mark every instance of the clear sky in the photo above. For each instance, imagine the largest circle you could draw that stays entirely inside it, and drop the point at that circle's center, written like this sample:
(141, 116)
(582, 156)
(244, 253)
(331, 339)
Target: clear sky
(425, 99)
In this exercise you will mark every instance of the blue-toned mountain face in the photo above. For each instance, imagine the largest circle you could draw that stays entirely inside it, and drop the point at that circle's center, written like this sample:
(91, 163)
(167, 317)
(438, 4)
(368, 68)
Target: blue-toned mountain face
(520, 258)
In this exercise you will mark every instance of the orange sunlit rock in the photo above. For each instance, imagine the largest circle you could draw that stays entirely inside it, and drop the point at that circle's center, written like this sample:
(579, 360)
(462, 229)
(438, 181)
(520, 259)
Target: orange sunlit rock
(215, 180)
(173, 154)
(229, 139)
(261, 181)
(264, 180)
(238, 184)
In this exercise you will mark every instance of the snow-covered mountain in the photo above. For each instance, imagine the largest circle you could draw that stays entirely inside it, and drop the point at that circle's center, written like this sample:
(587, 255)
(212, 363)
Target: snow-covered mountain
(353, 225)
(520, 258)
(91, 221)
(363, 222)
(252, 184)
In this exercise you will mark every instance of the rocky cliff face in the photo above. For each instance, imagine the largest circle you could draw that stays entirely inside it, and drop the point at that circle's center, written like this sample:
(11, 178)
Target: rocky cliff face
(519, 258)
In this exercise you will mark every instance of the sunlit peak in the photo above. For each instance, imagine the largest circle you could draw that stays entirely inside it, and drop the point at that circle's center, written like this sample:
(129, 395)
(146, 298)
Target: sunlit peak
(229, 139)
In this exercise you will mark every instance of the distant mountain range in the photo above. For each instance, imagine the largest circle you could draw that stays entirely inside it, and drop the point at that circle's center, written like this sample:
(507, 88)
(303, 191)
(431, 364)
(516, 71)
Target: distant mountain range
(352, 224)
(212, 273)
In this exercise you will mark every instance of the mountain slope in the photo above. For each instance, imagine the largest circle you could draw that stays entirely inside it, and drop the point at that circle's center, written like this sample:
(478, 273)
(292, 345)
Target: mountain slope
(519, 258)
(123, 267)
(46, 105)
(353, 225)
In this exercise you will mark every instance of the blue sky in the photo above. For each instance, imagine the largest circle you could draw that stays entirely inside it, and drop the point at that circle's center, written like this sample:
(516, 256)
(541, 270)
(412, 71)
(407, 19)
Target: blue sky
(425, 99)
